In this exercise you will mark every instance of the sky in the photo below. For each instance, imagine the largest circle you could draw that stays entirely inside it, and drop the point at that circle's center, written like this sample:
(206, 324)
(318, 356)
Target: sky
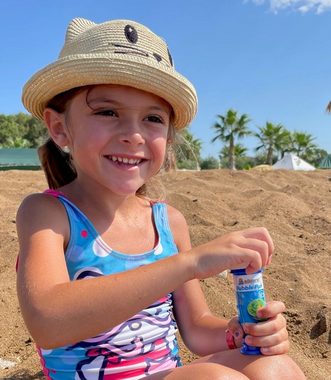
(269, 59)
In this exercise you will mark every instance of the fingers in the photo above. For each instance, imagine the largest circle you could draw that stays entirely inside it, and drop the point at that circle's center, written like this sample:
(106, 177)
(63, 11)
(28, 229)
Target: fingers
(269, 327)
(272, 309)
(261, 234)
(255, 264)
(271, 335)
(269, 341)
(275, 321)
(259, 246)
(250, 249)
(249, 259)
(279, 349)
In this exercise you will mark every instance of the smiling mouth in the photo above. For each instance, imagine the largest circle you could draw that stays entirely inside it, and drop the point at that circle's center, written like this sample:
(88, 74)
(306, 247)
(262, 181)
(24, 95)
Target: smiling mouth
(125, 161)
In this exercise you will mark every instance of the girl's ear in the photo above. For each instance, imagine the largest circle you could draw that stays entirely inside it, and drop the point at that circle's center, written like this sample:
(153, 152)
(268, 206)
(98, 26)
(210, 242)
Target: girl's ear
(55, 123)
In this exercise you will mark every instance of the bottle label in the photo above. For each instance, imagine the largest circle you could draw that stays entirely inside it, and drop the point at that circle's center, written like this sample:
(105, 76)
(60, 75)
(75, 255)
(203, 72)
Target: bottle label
(250, 296)
(248, 282)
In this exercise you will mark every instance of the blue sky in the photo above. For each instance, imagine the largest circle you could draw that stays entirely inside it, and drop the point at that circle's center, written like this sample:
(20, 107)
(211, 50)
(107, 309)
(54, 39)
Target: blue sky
(269, 59)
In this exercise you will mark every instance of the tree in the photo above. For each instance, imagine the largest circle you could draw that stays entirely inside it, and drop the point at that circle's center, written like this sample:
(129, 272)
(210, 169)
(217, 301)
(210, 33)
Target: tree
(239, 153)
(209, 163)
(35, 132)
(187, 150)
(228, 128)
(21, 130)
(316, 156)
(17, 142)
(273, 138)
(10, 130)
(302, 144)
(284, 144)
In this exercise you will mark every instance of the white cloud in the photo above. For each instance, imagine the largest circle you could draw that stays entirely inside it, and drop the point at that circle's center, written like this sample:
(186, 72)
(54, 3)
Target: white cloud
(302, 6)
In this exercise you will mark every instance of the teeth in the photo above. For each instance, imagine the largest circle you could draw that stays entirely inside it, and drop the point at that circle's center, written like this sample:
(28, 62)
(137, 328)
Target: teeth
(125, 160)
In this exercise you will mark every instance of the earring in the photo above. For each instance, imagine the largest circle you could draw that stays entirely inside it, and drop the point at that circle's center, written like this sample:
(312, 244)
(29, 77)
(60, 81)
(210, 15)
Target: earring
(65, 149)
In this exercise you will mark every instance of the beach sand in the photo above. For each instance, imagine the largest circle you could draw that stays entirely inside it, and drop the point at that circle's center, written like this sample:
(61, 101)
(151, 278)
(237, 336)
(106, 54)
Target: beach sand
(294, 206)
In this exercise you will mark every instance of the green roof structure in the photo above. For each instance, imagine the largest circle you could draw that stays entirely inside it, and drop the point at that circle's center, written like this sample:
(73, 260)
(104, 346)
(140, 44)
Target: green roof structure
(326, 162)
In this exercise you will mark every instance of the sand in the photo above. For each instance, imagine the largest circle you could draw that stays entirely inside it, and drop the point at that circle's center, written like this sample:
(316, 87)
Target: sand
(294, 206)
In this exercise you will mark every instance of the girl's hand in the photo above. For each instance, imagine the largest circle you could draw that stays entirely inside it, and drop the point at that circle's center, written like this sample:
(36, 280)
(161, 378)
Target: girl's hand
(250, 249)
(236, 330)
(271, 335)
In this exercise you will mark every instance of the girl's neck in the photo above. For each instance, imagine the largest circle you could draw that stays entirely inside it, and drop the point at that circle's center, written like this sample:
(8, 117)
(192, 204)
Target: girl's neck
(115, 217)
(97, 199)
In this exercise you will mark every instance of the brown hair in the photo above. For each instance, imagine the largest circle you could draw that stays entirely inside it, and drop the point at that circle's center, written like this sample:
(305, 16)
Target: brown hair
(57, 165)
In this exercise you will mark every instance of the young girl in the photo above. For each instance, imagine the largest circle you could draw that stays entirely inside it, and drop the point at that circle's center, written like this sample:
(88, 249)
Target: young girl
(105, 275)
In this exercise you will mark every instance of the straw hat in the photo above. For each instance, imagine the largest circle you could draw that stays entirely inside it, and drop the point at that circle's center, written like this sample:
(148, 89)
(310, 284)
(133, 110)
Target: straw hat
(114, 52)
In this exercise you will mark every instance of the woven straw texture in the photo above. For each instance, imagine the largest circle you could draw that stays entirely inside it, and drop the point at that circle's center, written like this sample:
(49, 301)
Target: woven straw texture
(115, 52)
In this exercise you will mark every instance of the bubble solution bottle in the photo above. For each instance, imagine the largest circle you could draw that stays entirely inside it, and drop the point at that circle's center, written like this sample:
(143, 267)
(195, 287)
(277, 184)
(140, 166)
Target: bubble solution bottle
(250, 297)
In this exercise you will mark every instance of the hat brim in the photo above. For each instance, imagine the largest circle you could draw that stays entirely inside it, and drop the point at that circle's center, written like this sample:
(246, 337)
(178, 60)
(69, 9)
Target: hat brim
(82, 70)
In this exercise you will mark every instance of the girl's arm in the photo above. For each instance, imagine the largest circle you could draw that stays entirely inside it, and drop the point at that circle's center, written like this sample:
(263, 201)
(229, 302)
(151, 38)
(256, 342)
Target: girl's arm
(58, 311)
(202, 332)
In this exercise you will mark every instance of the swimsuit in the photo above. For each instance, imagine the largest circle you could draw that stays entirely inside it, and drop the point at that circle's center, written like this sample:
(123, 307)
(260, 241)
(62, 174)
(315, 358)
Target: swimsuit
(138, 347)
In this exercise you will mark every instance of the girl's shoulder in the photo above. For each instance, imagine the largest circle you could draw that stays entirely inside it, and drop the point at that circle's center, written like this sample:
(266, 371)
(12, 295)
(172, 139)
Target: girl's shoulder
(40, 210)
(176, 219)
(175, 216)
(178, 227)
(40, 202)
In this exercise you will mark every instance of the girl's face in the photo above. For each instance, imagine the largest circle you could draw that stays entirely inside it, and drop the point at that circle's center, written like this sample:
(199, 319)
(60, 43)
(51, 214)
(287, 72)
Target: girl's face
(118, 136)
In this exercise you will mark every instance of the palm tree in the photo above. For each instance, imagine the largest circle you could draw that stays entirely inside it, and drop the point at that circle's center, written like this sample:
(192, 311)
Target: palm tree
(272, 139)
(188, 148)
(302, 144)
(229, 127)
(285, 142)
(239, 152)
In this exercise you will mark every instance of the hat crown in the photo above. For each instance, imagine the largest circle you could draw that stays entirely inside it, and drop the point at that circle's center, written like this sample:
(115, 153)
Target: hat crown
(118, 52)
(122, 38)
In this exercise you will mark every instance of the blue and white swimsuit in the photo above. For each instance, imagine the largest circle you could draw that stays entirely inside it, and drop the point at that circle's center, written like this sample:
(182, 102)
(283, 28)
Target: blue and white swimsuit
(144, 344)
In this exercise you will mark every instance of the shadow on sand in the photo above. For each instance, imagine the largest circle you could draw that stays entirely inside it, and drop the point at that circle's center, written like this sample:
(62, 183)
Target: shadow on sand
(23, 375)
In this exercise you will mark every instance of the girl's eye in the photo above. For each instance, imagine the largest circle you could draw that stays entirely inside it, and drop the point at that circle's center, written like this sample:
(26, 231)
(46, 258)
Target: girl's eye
(110, 113)
(155, 119)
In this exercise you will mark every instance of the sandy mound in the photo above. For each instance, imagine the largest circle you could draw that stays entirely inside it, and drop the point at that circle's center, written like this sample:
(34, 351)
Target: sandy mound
(294, 206)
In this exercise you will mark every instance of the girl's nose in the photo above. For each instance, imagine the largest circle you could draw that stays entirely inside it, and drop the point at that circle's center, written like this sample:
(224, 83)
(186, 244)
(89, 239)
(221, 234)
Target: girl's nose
(134, 139)
(131, 133)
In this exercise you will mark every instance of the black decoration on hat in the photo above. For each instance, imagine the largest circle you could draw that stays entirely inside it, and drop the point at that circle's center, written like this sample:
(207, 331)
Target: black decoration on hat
(131, 34)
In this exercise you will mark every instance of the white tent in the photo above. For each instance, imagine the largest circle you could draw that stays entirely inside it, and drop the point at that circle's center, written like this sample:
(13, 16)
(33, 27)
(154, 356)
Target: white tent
(292, 162)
